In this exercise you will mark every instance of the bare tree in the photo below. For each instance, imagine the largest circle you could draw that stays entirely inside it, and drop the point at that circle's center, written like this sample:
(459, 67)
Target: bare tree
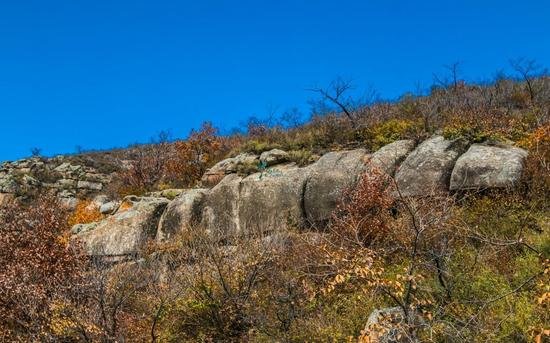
(529, 71)
(337, 94)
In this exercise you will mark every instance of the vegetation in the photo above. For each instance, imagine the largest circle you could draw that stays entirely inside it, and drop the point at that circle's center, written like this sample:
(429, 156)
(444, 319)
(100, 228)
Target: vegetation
(471, 267)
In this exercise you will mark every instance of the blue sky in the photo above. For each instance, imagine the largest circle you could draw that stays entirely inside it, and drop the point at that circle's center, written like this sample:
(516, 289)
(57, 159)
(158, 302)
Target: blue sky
(101, 74)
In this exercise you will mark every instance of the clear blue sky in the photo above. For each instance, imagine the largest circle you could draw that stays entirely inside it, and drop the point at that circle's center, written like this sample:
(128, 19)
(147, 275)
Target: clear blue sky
(103, 73)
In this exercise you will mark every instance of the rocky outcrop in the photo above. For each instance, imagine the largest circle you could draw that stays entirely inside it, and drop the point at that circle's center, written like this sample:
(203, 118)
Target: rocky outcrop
(221, 211)
(274, 157)
(428, 168)
(272, 199)
(328, 178)
(284, 195)
(389, 157)
(182, 212)
(228, 166)
(63, 176)
(484, 166)
(124, 233)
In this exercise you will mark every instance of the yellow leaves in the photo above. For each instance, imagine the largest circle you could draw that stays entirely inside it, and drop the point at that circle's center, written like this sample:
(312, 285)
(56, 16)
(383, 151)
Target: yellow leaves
(85, 212)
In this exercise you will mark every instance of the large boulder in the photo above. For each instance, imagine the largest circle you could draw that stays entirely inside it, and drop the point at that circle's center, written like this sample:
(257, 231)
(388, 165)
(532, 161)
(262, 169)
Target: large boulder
(272, 199)
(125, 232)
(485, 166)
(389, 157)
(428, 168)
(181, 213)
(329, 178)
(221, 213)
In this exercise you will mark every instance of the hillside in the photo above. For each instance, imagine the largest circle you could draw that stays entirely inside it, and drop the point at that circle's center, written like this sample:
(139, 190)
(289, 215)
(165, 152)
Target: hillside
(424, 219)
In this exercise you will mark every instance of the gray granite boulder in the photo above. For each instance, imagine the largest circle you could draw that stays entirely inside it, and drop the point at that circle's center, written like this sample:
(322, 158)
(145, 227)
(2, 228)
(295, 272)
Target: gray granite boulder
(184, 211)
(389, 157)
(329, 178)
(228, 166)
(273, 157)
(484, 166)
(427, 169)
(221, 207)
(127, 231)
(273, 199)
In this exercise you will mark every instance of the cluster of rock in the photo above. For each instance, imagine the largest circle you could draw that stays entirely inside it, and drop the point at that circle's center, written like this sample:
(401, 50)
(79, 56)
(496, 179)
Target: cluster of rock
(282, 194)
(69, 181)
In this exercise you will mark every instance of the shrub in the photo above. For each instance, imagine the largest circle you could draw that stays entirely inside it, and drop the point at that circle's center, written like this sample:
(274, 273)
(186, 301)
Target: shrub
(85, 212)
(390, 131)
(39, 269)
(364, 212)
(193, 156)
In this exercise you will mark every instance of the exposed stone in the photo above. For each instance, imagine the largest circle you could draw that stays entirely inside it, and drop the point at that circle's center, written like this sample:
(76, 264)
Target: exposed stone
(428, 168)
(109, 207)
(99, 200)
(6, 198)
(81, 228)
(484, 166)
(228, 166)
(181, 213)
(329, 177)
(8, 184)
(273, 157)
(125, 232)
(220, 214)
(389, 157)
(273, 199)
(388, 325)
(96, 186)
(167, 193)
(65, 183)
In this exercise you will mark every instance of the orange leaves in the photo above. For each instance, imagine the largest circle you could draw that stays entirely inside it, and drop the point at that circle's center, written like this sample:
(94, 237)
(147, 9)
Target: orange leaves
(37, 267)
(364, 213)
(193, 156)
(85, 212)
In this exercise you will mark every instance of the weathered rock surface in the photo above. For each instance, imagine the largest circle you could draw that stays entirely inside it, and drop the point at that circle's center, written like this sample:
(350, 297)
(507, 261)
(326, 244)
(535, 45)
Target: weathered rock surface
(125, 232)
(60, 175)
(328, 178)
(228, 166)
(221, 210)
(389, 157)
(427, 170)
(388, 325)
(181, 213)
(287, 195)
(484, 166)
(5, 198)
(273, 199)
(273, 157)
(109, 207)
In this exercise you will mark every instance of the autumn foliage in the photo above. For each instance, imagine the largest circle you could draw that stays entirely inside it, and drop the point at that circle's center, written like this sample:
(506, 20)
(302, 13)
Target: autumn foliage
(39, 268)
(85, 212)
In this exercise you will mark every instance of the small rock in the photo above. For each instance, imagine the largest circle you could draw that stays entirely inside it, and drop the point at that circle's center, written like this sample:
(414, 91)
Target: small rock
(109, 207)
(95, 186)
(273, 157)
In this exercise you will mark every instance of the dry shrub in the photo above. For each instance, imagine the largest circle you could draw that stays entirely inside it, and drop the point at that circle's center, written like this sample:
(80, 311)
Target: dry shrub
(85, 212)
(193, 156)
(146, 169)
(536, 178)
(39, 269)
(365, 211)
